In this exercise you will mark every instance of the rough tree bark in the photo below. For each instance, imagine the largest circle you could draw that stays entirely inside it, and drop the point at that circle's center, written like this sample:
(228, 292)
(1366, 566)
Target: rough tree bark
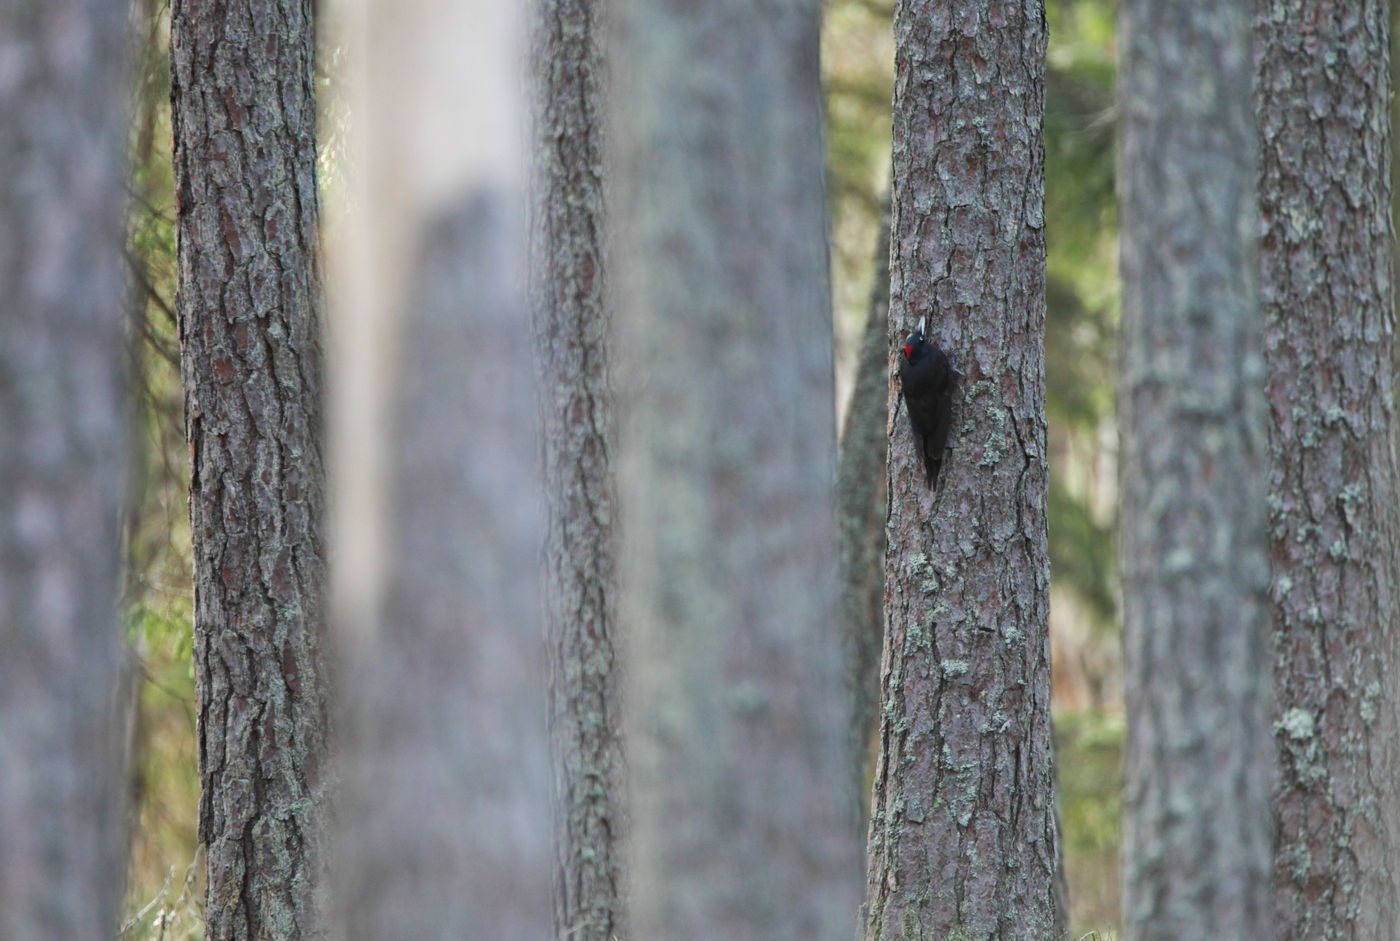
(244, 120)
(571, 325)
(861, 499)
(62, 451)
(444, 831)
(1196, 854)
(734, 719)
(1323, 96)
(964, 839)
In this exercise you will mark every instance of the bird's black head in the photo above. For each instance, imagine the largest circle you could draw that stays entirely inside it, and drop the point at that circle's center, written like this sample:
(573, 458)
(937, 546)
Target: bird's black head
(914, 346)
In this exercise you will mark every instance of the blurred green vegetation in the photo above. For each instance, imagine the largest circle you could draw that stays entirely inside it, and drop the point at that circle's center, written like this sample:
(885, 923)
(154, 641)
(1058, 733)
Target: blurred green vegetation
(164, 887)
(1089, 756)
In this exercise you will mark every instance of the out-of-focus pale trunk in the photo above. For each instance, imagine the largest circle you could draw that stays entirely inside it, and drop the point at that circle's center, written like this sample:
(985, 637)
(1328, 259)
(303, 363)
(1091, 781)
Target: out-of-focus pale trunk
(62, 441)
(862, 493)
(734, 712)
(445, 821)
(1193, 465)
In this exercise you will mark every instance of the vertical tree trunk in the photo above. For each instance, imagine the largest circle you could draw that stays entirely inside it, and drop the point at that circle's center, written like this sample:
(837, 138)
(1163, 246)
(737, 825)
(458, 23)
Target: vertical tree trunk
(445, 819)
(1324, 108)
(964, 840)
(1196, 852)
(571, 325)
(861, 501)
(62, 440)
(734, 718)
(244, 119)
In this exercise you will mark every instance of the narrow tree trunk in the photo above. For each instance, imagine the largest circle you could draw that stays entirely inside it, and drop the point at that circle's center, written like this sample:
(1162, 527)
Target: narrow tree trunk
(1197, 835)
(735, 719)
(964, 840)
(444, 826)
(571, 325)
(62, 441)
(1324, 107)
(861, 502)
(244, 119)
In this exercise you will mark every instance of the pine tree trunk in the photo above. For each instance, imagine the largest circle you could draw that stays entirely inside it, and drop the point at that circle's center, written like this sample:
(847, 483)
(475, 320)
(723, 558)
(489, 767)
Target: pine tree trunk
(735, 723)
(244, 119)
(964, 840)
(1323, 87)
(571, 325)
(444, 823)
(861, 501)
(62, 444)
(1197, 834)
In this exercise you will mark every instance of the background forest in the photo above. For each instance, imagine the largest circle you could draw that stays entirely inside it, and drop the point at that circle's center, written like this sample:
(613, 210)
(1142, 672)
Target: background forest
(165, 883)
(165, 888)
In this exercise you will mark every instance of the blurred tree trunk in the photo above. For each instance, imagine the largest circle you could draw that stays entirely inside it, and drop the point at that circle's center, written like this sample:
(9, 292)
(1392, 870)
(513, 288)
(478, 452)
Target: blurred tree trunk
(1327, 294)
(964, 839)
(444, 831)
(735, 722)
(571, 324)
(244, 120)
(62, 452)
(861, 502)
(1197, 834)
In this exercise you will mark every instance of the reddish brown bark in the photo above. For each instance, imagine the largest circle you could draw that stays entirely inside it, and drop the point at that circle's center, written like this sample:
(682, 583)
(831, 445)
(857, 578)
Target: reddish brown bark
(964, 840)
(244, 118)
(1323, 97)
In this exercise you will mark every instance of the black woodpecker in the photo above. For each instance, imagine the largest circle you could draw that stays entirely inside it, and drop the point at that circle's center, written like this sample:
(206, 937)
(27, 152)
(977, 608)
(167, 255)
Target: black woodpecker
(927, 380)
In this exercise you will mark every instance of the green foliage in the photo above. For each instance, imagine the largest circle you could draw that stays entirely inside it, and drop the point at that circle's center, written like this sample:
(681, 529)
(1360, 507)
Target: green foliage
(1082, 301)
(1089, 756)
(164, 884)
(858, 64)
(1082, 551)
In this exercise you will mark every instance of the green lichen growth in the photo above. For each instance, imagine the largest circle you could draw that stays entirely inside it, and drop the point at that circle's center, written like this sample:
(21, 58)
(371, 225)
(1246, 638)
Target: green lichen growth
(917, 636)
(997, 436)
(1297, 724)
(1369, 697)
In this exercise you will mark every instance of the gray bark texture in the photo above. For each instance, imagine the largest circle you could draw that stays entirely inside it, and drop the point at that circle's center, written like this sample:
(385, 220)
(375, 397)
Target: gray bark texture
(62, 454)
(1323, 95)
(1199, 753)
(735, 718)
(571, 323)
(861, 500)
(244, 120)
(964, 840)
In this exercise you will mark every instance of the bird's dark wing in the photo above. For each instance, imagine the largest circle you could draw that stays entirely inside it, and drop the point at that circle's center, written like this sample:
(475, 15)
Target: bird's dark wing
(928, 394)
